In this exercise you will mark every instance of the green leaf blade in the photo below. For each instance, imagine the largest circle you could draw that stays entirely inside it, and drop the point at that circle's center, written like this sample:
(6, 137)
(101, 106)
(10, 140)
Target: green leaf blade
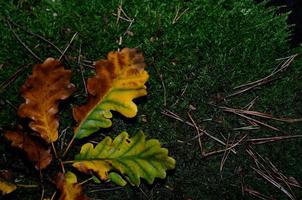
(134, 158)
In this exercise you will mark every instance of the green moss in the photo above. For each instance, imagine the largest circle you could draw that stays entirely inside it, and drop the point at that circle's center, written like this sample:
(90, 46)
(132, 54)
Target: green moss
(213, 47)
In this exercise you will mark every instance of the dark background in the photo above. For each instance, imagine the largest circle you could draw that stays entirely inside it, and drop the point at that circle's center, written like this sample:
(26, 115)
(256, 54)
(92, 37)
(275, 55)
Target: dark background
(295, 17)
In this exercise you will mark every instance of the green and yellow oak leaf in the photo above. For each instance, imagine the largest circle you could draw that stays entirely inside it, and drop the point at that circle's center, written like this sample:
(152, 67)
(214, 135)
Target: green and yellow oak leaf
(133, 158)
(118, 80)
(42, 91)
(69, 187)
(6, 187)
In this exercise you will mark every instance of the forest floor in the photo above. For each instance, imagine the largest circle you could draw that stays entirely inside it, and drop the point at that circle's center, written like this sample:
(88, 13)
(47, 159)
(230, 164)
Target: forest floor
(224, 94)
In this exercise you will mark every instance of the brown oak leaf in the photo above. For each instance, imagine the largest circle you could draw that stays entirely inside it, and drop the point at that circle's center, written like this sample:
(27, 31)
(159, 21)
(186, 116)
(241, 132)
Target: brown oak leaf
(48, 84)
(35, 151)
(70, 189)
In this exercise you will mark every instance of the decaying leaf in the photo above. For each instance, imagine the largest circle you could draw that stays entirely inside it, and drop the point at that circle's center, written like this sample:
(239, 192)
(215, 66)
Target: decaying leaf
(6, 187)
(134, 158)
(35, 151)
(48, 84)
(118, 80)
(69, 187)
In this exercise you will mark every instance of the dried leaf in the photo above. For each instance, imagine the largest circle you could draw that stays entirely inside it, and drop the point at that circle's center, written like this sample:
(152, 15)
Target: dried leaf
(6, 187)
(48, 84)
(134, 158)
(70, 189)
(118, 81)
(35, 151)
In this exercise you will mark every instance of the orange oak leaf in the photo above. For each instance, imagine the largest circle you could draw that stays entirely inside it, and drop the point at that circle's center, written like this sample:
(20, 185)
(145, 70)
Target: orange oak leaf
(48, 84)
(118, 80)
(35, 151)
(70, 189)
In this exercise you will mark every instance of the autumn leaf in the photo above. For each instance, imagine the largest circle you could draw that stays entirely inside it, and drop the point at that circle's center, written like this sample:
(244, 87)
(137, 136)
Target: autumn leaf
(134, 158)
(35, 151)
(118, 80)
(70, 189)
(42, 91)
(6, 187)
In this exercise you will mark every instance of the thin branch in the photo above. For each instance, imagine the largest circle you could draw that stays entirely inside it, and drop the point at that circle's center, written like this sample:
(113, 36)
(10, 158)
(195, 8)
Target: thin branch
(68, 45)
(160, 75)
(198, 133)
(176, 117)
(22, 43)
(226, 149)
(271, 139)
(36, 35)
(179, 15)
(249, 86)
(260, 114)
(12, 78)
(81, 69)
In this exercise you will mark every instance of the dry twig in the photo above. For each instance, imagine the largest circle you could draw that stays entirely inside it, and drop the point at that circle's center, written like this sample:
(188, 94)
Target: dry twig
(273, 76)
(68, 45)
(179, 14)
(22, 43)
(172, 115)
(271, 174)
(11, 79)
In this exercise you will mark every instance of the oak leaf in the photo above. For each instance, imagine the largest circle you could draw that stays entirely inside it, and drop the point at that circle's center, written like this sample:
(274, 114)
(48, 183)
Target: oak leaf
(42, 91)
(118, 80)
(35, 151)
(70, 189)
(134, 158)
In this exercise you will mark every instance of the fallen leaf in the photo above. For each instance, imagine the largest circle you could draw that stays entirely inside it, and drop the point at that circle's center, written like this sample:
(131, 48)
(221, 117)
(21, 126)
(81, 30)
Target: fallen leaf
(35, 151)
(70, 189)
(118, 80)
(48, 84)
(134, 158)
(6, 187)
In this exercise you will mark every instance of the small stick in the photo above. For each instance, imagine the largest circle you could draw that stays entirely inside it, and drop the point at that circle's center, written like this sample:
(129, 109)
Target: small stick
(11, 79)
(249, 86)
(22, 43)
(225, 155)
(36, 35)
(81, 69)
(176, 117)
(271, 139)
(62, 166)
(198, 133)
(54, 149)
(27, 186)
(257, 194)
(105, 189)
(254, 120)
(43, 192)
(226, 149)
(69, 145)
(67, 47)
(85, 181)
(53, 195)
(163, 85)
(68, 162)
(12, 105)
(178, 16)
(260, 114)
(274, 183)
